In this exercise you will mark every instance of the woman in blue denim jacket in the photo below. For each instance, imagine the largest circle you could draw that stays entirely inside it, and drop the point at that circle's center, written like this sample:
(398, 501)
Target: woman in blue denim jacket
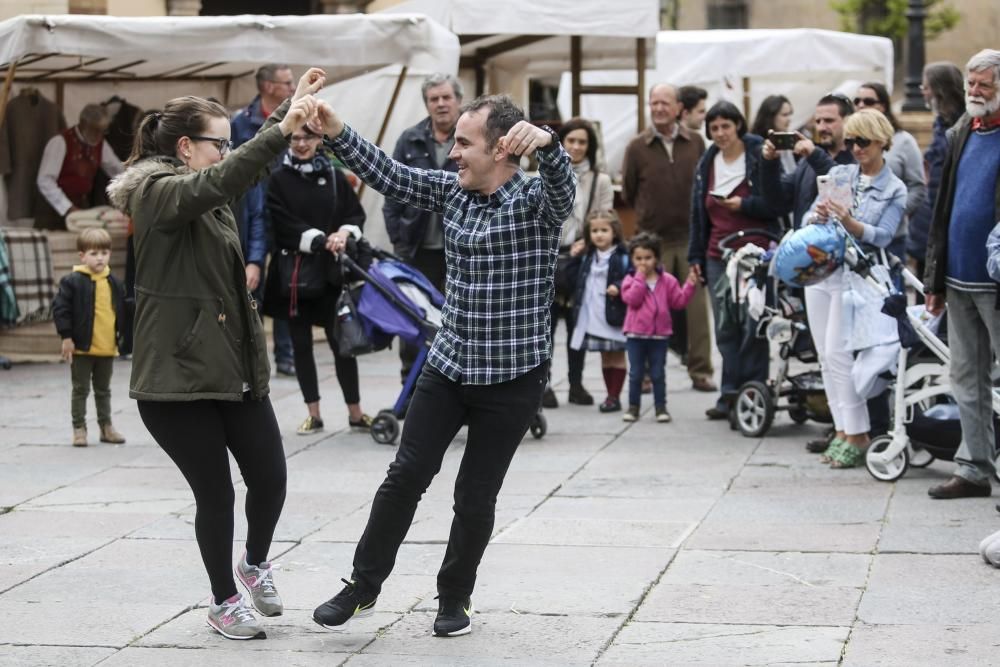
(844, 311)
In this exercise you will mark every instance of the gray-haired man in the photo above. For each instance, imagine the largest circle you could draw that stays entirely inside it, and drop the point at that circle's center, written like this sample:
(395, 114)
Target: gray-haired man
(418, 236)
(966, 210)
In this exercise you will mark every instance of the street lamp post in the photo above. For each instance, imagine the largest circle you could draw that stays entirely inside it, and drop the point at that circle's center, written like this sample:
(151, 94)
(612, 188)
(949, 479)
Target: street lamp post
(915, 15)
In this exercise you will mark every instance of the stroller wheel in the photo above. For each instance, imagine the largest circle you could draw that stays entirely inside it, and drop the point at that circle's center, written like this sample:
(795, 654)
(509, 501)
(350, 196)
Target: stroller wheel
(882, 469)
(754, 409)
(385, 428)
(919, 457)
(539, 426)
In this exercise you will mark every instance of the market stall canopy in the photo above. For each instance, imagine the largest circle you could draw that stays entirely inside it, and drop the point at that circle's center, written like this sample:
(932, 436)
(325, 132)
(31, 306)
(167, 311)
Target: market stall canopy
(744, 67)
(507, 43)
(376, 63)
(103, 48)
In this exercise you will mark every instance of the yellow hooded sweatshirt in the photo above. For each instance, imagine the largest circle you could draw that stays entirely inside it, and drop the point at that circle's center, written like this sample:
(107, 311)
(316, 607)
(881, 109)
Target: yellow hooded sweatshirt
(103, 343)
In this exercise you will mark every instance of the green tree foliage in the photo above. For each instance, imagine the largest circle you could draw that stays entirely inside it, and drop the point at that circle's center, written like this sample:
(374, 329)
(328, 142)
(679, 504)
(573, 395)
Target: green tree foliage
(888, 17)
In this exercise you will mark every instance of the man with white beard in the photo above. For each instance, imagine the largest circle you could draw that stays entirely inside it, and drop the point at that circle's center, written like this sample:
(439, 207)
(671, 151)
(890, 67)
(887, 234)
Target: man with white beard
(966, 210)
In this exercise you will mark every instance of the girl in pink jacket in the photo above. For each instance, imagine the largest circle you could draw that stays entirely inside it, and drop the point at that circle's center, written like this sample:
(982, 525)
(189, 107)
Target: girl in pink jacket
(650, 293)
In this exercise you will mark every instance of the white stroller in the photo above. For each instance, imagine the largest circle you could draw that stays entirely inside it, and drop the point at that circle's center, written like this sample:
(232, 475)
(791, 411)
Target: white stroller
(925, 421)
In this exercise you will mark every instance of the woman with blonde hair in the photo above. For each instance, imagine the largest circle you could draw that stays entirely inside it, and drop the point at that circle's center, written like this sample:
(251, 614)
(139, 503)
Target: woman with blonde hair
(876, 209)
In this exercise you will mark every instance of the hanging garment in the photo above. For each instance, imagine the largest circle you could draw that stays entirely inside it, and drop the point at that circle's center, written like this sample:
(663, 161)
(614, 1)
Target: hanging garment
(30, 122)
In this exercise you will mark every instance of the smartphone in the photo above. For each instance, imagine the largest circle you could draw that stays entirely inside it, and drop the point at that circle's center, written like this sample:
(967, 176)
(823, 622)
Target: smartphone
(717, 196)
(784, 141)
(823, 187)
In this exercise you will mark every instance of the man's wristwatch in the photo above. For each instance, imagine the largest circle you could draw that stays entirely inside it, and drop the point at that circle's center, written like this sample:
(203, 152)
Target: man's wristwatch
(555, 138)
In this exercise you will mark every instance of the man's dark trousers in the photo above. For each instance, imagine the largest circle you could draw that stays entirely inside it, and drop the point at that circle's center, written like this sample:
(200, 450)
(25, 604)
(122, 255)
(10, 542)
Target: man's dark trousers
(498, 417)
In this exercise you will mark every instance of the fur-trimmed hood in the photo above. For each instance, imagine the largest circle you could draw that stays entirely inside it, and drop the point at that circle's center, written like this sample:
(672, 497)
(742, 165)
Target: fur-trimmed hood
(122, 186)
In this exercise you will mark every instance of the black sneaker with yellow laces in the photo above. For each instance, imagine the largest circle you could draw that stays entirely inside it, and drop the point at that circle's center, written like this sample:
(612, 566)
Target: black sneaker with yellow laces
(454, 617)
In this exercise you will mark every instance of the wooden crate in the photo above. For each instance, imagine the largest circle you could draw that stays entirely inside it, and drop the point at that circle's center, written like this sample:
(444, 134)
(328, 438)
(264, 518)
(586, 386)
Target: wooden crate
(40, 342)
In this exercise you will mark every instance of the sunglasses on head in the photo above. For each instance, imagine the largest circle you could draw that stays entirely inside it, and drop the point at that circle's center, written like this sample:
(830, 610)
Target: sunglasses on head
(860, 142)
(865, 101)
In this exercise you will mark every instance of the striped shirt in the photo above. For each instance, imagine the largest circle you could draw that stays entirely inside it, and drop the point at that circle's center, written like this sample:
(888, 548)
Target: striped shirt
(500, 254)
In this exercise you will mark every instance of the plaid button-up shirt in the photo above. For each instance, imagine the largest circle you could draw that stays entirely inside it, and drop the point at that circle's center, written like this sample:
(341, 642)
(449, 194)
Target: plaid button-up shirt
(500, 252)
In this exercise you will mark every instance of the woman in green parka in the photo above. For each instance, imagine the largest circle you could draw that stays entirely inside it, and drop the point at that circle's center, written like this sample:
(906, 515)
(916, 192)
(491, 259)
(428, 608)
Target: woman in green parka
(199, 367)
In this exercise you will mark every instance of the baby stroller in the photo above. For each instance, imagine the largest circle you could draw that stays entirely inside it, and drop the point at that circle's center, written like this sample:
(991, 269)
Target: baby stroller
(396, 300)
(780, 313)
(925, 423)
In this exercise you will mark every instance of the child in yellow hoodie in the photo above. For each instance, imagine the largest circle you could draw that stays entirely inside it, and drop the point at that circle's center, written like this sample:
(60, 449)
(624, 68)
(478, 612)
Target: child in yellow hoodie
(89, 315)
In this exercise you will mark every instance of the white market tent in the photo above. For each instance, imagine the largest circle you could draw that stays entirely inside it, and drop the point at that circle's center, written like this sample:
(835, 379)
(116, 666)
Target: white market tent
(505, 44)
(376, 61)
(744, 67)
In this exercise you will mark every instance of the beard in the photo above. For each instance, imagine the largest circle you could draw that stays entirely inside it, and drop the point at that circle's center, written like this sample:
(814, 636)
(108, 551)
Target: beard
(980, 107)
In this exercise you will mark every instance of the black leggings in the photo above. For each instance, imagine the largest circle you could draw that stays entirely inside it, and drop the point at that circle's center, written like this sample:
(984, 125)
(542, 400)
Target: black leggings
(196, 435)
(305, 364)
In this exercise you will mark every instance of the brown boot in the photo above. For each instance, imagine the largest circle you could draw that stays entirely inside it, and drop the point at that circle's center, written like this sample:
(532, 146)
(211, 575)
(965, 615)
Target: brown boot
(80, 437)
(110, 435)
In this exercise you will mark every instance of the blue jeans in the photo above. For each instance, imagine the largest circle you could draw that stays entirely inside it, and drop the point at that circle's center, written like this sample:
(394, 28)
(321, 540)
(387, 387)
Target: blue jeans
(640, 352)
(744, 356)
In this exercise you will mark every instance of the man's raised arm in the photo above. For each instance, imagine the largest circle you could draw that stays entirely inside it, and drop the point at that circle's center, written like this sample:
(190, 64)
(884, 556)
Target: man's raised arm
(558, 179)
(423, 188)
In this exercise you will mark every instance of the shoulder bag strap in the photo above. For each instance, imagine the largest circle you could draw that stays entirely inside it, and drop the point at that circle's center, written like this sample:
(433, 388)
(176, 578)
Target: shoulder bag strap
(593, 189)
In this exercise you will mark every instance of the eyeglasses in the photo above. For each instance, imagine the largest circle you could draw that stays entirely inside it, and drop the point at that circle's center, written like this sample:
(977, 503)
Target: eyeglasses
(860, 142)
(224, 145)
(865, 101)
(289, 83)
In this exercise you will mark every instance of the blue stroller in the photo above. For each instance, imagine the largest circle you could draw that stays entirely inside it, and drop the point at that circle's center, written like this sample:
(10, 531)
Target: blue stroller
(397, 301)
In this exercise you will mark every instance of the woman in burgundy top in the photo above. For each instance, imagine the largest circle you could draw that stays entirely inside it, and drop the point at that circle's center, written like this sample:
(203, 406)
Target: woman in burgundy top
(727, 197)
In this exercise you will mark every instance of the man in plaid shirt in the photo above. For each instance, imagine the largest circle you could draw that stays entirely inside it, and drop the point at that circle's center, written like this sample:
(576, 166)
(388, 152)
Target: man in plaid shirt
(487, 366)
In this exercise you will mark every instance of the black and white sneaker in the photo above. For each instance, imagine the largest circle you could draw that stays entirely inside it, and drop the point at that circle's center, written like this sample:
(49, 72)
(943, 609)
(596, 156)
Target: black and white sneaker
(350, 603)
(454, 617)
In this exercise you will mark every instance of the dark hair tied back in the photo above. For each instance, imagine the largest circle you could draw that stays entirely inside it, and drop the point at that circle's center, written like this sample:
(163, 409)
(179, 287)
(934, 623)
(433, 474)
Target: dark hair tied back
(159, 132)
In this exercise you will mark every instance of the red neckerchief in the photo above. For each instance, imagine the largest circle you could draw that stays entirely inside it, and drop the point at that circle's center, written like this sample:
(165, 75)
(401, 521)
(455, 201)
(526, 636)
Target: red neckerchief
(980, 124)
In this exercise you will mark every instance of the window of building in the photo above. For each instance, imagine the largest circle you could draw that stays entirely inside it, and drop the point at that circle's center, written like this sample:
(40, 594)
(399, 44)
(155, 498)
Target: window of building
(723, 14)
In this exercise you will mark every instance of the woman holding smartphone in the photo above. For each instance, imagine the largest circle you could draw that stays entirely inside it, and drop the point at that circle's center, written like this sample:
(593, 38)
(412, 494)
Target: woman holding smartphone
(879, 199)
(727, 198)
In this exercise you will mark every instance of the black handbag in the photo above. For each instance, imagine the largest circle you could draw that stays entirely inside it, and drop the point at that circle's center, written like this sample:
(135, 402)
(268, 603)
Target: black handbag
(302, 275)
(348, 332)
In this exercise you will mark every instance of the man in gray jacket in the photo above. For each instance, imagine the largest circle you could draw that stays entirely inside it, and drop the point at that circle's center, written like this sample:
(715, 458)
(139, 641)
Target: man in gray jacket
(417, 236)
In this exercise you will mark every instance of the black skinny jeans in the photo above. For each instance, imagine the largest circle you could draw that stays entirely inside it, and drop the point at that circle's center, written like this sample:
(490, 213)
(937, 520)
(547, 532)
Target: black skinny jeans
(498, 417)
(305, 363)
(196, 435)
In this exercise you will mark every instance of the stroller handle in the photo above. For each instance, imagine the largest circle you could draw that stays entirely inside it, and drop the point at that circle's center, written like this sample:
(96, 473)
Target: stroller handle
(756, 231)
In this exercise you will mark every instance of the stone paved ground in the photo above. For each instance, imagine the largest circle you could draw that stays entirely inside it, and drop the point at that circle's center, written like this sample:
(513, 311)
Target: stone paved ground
(679, 544)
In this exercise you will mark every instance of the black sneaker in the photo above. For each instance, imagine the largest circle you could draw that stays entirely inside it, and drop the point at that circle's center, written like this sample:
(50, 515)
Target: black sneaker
(350, 603)
(454, 617)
